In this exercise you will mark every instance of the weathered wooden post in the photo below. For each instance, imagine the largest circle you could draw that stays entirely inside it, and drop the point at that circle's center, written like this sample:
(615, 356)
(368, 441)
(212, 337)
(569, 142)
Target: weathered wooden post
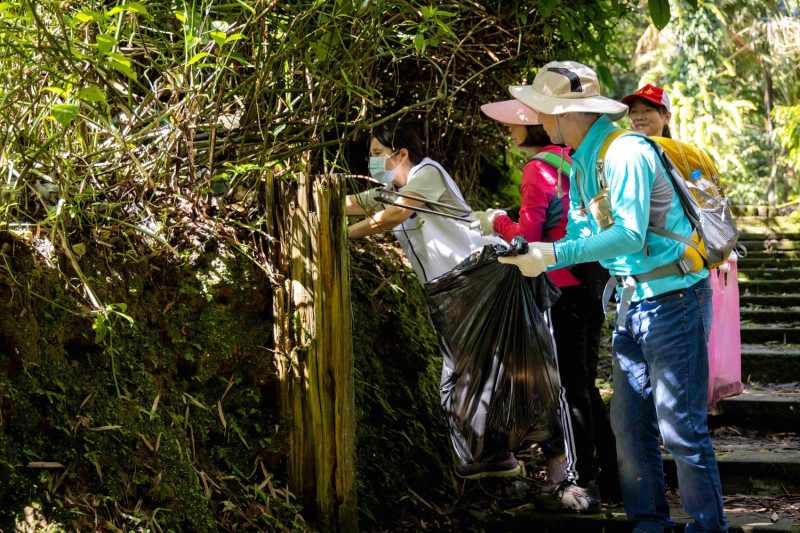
(314, 352)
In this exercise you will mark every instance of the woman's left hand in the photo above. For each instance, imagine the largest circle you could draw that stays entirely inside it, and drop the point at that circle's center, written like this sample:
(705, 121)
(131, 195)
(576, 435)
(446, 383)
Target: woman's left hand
(484, 220)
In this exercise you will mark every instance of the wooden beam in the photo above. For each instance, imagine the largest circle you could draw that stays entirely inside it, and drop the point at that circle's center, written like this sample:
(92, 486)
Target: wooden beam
(314, 355)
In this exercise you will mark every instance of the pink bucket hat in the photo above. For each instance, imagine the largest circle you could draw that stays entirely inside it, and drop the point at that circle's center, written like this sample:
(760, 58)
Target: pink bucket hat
(511, 112)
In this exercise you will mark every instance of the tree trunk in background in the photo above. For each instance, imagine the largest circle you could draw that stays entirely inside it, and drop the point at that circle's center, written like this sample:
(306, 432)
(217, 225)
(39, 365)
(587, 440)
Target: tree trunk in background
(772, 159)
(314, 349)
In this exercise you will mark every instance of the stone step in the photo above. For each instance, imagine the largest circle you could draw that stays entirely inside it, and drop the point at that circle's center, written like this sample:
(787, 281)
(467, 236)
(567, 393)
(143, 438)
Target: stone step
(769, 286)
(770, 244)
(780, 254)
(771, 408)
(777, 333)
(765, 232)
(778, 300)
(762, 315)
(777, 223)
(613, 520)
(768, 272)
(766, 214)
(768, 260)
(770, 363)
(753, 466)
(753, 213)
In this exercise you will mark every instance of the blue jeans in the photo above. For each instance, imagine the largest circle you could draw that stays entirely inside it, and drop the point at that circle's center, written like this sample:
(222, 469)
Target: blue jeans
(661, 385)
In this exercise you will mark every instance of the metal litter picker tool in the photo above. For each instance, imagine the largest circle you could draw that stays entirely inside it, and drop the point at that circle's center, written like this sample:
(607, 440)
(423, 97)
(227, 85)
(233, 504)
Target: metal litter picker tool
(384, 200)
(431, 202)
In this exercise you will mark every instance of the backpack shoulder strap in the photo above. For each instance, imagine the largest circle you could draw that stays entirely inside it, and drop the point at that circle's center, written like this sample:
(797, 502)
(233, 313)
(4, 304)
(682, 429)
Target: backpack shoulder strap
(555, 161)
(601, 156)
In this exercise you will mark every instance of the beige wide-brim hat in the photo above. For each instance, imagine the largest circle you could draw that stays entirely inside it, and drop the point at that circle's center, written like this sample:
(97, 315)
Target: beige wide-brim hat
(511, 112)
(567, 87)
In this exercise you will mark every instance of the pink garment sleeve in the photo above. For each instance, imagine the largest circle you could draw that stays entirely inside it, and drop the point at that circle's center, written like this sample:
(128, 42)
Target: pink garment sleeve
(537, 193)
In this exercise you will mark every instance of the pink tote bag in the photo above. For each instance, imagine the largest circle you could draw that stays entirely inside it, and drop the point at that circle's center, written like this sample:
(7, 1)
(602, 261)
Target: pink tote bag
(725, 343)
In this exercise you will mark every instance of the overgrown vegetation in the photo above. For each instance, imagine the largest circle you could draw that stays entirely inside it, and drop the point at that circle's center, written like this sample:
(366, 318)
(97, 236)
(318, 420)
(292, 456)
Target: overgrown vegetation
(731, 68)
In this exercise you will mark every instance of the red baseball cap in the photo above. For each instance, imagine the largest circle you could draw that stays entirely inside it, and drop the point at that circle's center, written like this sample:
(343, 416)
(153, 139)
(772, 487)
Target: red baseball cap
(654, 94)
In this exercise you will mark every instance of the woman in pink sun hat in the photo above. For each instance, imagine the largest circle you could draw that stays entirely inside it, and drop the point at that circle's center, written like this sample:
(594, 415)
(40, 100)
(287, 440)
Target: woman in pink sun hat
(577, 318)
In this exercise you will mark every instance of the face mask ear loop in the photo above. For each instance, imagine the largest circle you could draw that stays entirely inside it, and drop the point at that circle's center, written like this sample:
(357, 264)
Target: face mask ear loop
(387, 158)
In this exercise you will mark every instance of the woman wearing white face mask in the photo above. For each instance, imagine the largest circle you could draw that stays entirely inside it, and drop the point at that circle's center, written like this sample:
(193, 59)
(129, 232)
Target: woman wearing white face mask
(433, 244)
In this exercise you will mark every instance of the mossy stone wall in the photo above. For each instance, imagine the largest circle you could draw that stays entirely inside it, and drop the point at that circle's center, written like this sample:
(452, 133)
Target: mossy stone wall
(193, 440)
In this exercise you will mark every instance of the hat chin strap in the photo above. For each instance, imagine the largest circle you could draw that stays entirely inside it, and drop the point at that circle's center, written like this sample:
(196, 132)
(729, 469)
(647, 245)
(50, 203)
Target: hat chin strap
(560, 139)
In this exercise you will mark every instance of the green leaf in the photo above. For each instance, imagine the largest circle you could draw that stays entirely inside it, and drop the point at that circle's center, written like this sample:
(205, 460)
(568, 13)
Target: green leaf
(446, 29)
(105, 43)
(126, 317)
(91, 94)
(240, 58)
(219, 25)
(197, 57)
(218, 36)
(119, 58)
(64, 113)
(419, 42)
(566, 30)
(120, 67)
(692, 3)
(58, 90)
(659, 13)
(84, 17)
(133, 7)
(79, 249)
(100, 329)
(234, 37)
(88, 15)
(247, 6)
(605, 77)
(546, 7)
(5, 6)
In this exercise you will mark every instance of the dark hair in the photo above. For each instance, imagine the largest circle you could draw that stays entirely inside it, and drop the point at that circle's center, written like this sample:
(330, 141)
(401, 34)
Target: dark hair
(536, 136)
(397, 136)
(662, 110)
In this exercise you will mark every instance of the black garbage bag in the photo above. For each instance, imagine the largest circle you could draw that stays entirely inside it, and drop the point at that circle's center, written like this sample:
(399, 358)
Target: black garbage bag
(500, 380)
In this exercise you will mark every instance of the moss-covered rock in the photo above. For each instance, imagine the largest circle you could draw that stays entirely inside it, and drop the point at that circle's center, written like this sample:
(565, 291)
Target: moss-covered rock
(172, 419)
(402, 446)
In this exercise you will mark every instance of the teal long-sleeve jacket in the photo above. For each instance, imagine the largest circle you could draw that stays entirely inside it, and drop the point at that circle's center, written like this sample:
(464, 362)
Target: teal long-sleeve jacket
(641, 195)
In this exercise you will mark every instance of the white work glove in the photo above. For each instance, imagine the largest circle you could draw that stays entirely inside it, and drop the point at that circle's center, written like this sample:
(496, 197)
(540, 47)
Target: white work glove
(540, 256)
(484, 220)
